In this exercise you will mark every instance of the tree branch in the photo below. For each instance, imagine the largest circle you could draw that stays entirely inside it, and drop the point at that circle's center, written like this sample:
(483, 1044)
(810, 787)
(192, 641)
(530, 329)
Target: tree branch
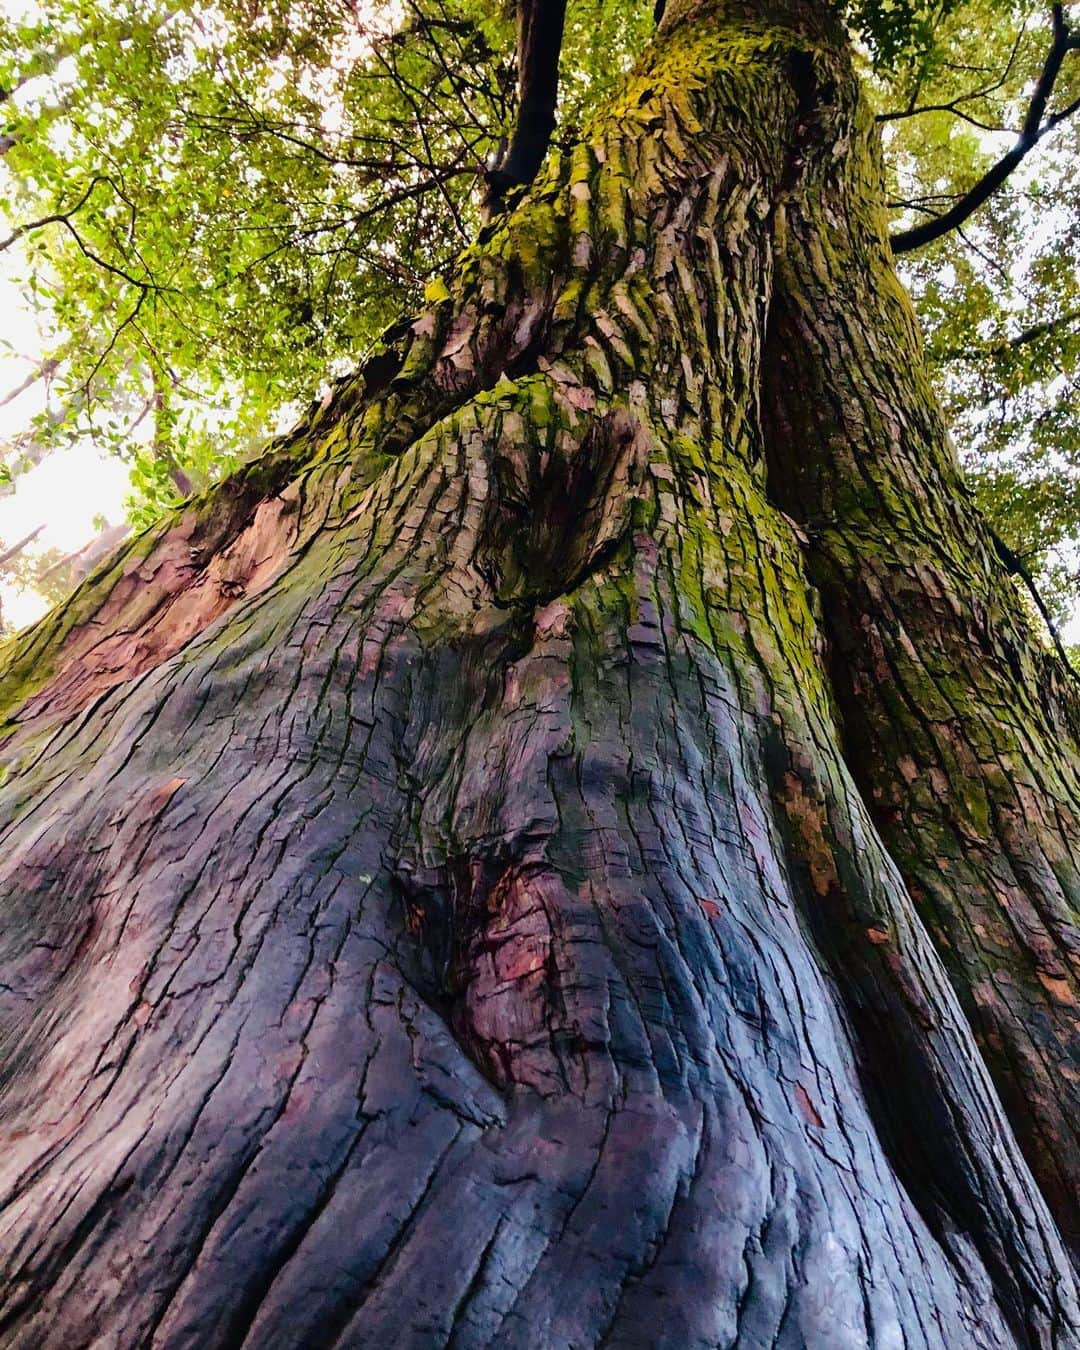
(539, 44)
(64, 218)
(997, 345)
(16, 549)
(44, 370)
(162, 450)
(1016, 566)
(81, 560)
(1034, 128)
(953, 106)
(58, 217)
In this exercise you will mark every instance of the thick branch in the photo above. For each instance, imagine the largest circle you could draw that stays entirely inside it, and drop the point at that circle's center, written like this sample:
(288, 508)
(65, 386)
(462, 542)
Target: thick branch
(540, 35)
(81, 560)
(1034, 128)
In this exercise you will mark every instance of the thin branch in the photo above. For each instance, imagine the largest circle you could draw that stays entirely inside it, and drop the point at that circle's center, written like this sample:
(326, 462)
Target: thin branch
(993, 346)
(107, 266)
(953, 106)
(938, 108)
(44, 370)
(1015, 564)
(16, 549)
(64, 218)
(1033, 130)
(436, 182)
(990, 261)
(130, 319)
(160, 447)
(57, 218)
(919, 203)
(410, 92)
(258, 124)
(450, 74)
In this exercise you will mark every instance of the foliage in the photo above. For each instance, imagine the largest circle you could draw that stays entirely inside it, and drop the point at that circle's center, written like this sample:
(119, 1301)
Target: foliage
(218, 207)
(244, 195)
(48, 572)
(898, 31)
(240, 198)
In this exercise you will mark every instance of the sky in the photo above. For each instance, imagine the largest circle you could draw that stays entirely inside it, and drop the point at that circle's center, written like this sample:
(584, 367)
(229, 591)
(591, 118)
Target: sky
(70, 489)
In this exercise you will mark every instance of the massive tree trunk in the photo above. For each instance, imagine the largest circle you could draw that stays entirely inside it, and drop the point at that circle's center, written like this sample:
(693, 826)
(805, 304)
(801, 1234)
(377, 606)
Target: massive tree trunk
(578, 846)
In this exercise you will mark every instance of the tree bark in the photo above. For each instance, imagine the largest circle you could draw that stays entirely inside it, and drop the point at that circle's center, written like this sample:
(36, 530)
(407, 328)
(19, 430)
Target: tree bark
(574, 847)
(959, 730)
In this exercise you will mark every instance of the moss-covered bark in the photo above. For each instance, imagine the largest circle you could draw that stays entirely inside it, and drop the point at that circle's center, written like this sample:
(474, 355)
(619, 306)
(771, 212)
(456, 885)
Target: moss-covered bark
(449, 892)
(959, 729)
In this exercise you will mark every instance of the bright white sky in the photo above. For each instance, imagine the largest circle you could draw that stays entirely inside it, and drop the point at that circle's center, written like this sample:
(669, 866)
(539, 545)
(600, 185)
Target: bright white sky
(71, 488)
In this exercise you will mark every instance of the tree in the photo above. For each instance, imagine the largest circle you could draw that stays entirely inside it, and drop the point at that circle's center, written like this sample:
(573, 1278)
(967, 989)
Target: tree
(577, 843)
(990, 107)
(217, 210)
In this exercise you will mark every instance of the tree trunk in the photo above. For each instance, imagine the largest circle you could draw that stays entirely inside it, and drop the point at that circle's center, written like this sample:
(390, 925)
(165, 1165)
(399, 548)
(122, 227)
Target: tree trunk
(576, 846)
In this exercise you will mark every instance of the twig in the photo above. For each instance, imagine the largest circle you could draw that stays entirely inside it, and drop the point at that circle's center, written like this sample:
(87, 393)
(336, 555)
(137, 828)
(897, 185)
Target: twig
(1017, 567)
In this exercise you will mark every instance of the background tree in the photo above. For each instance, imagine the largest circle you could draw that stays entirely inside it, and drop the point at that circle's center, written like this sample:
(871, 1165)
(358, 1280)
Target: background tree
(984, 117)
(577, 843)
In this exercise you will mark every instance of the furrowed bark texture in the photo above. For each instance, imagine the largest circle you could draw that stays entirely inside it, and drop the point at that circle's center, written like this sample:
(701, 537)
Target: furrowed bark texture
(960, 733)
(574, 848)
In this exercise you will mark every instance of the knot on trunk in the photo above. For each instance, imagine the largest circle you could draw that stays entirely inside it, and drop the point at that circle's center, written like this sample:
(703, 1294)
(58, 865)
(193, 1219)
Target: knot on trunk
(485, 941)
(559, 498)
